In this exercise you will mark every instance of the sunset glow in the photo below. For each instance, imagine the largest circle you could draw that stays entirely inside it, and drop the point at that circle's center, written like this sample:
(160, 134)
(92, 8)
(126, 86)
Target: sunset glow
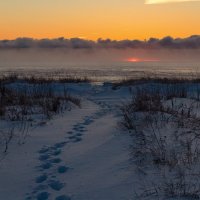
(115, 19)
(141, 60)
(133, 60)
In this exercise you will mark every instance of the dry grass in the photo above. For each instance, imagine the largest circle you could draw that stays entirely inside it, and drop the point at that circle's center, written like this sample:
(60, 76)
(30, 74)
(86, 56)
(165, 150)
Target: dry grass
(165, 126)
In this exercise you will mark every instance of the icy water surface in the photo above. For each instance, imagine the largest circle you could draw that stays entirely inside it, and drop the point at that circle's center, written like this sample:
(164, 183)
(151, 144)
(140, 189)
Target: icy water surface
(104, 71)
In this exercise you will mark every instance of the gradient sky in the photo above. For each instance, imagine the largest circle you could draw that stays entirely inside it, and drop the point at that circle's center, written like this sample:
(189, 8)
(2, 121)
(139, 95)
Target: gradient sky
(92, 19)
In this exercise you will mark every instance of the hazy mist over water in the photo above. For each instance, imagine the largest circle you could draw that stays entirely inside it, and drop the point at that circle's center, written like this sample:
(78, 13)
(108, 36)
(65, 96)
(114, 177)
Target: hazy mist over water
(104, 64)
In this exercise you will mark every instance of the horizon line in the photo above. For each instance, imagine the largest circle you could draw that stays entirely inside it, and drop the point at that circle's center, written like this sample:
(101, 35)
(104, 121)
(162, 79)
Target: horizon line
(99, 38)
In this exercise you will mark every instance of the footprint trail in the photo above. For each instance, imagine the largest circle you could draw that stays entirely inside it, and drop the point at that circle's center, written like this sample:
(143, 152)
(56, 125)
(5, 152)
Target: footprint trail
(47, 182)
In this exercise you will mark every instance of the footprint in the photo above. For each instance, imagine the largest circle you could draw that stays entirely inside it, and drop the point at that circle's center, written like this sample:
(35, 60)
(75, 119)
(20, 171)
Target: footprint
(78, 139)
(46, 166)
(41, 178)
(44, 150)
(75, 128)
(56, 185)
(70, 132)
(63, 197)
(82, 127)
(91, 120)
(76, 125)
(56, 160)
(60, 144)
(44, 157)
(43, 196)
(62, 169)
(79, 134)
(72, 137)
(86, 123)
(56, 152)
(82, 130)
(28, 198)
(82, 124)
(40, 187)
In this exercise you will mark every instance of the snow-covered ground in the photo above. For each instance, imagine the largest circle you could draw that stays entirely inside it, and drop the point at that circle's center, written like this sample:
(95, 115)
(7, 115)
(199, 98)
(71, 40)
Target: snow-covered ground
(80, 154)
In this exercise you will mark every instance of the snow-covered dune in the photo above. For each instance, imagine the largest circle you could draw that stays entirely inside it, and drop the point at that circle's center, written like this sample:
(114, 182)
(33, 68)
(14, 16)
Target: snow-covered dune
(80, 154)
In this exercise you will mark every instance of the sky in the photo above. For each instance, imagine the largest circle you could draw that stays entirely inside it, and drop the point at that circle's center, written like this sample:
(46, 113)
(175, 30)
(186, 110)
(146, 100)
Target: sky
(93, 19)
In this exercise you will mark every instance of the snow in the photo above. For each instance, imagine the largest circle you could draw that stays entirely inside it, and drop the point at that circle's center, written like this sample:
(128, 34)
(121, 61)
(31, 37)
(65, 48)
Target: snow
(80, 154)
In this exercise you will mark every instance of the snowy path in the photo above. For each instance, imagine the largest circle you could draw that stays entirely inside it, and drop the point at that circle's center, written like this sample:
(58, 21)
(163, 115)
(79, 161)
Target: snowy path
(87, 160)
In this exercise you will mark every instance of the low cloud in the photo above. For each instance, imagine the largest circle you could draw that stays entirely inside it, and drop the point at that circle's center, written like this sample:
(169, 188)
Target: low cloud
(192, 42)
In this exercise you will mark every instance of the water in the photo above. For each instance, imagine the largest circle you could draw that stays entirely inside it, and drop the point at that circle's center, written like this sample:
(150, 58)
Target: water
(104, 71)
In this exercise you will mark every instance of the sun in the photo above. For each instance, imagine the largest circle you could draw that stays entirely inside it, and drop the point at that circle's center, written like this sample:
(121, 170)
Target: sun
(133, 60)
(137, 60)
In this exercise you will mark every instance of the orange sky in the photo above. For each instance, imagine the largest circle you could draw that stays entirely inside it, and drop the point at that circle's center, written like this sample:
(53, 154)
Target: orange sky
(92, 19)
